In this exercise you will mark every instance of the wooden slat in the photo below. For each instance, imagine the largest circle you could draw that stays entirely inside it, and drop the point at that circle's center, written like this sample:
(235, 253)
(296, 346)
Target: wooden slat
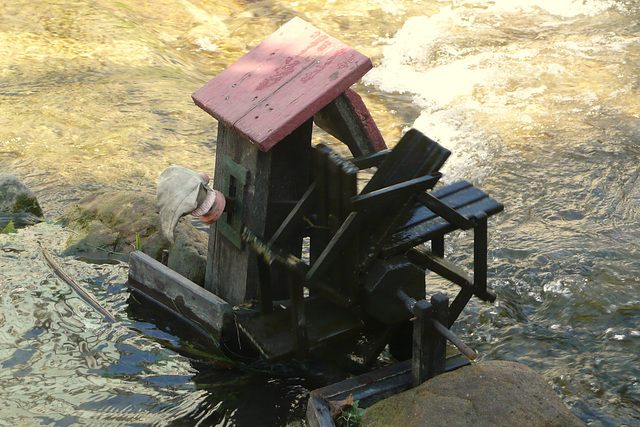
(281, 83)
(424, 231)
(179, 295)
(349, 121)
(420, 256)
(394, 193)
(414, 155)
(454, 199)
(293, 221)
(333, 249)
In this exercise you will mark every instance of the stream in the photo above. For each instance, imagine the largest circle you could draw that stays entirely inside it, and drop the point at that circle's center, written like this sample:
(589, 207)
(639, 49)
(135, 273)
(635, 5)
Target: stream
(537, 99)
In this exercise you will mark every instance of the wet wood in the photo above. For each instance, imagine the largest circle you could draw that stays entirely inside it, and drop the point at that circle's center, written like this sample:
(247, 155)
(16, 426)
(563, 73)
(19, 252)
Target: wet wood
(175, 293)
(275, 338)
(349, 121)
(399, 193)
(415, 155)
(423, 335)
(422, 224)
(438, 344)
(427, 260)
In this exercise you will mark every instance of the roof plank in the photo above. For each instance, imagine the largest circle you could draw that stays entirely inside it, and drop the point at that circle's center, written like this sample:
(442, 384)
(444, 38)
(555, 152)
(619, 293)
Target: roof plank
(281, 83)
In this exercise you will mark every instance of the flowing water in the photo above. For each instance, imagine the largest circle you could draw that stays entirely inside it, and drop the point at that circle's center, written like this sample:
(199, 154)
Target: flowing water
(538, 99)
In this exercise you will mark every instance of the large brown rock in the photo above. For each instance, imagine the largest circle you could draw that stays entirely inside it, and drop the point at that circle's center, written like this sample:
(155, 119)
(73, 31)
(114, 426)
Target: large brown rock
(493, 393)
(105, 225)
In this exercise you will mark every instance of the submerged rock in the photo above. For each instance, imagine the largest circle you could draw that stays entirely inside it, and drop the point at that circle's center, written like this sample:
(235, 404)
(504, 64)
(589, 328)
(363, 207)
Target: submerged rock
(19, 207)
(111, 224)
(493, 393)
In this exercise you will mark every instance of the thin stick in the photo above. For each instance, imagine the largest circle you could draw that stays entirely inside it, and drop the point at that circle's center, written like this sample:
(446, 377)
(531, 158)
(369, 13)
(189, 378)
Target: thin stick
(83, 294)
(464, 349)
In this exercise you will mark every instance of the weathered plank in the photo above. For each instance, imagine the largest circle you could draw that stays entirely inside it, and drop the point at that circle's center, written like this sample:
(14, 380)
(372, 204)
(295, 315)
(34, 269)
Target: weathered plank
(179, 295)
(281, 83)
(349, 121)
(414, 155)
(277, 176)
(426, 225)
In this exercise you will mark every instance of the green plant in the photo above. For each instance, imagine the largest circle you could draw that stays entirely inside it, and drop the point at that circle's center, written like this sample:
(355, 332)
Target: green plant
(351, 417)
(138, 244)
(9, 228)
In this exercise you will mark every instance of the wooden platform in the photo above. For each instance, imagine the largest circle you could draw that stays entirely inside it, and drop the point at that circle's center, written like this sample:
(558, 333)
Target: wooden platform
(423, 225)
(281, 83)
(273, 334)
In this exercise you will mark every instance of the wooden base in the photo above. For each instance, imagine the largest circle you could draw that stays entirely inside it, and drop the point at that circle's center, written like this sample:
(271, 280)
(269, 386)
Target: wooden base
(273, 335)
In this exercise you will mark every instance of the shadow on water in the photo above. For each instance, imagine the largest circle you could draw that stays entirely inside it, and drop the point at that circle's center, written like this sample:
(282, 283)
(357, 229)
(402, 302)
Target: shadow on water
(234, 389)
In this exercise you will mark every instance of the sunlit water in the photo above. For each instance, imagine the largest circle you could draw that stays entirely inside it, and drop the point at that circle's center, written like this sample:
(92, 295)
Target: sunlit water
(538, 99)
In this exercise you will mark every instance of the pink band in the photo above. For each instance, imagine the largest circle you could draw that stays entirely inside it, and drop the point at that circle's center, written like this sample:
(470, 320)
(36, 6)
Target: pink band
(212, 207)
(206, 205)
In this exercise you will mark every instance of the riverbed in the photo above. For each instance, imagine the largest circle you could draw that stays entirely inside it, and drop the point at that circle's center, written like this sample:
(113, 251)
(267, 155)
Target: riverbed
(537, 99)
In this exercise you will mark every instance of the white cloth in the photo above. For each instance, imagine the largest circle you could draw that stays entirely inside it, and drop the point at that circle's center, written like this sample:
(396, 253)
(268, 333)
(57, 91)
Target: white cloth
(178, 192)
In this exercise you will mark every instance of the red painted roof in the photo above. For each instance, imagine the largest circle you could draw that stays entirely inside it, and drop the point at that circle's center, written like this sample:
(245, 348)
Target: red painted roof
(281, 83)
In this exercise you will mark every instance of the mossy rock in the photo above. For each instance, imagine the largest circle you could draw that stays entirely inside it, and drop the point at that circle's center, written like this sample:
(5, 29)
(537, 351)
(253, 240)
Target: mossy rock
(108, 225)
(17, 198)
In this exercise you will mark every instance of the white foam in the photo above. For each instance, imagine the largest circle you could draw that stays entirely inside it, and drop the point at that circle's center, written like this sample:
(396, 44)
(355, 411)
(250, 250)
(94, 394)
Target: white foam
(205, 43)
(563, 8)
(479, 73)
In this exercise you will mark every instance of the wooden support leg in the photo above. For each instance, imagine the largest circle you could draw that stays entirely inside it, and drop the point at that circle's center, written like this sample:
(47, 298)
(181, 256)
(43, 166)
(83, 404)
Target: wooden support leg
(459, 304)
(298, 318)
(440, 303)
(480, 260)
(429, 346)
(437, 246)
(423, 334)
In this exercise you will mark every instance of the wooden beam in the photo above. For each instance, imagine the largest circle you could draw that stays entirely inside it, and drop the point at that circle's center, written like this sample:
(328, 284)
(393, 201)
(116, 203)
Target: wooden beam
(367, 389)
(438, 207)
(349, 121)
(395, 193)
(188, 301)
(370, 161)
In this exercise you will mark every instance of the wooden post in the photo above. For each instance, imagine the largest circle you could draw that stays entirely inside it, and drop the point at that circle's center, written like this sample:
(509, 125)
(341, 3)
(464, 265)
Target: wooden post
(429, 345)
(278, 177)
(438, 350)
(422, 336)
(437, 246)
(298, 318)
(480, 241)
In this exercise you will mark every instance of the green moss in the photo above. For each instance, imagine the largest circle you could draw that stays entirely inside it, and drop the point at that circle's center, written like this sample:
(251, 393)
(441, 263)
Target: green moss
(27, 204)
